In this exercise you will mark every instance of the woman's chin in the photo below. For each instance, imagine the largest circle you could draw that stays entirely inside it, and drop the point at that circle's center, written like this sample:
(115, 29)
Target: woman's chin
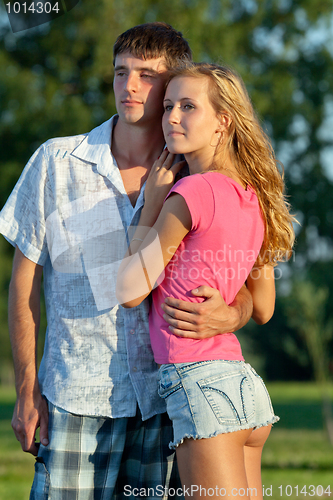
(174, 150)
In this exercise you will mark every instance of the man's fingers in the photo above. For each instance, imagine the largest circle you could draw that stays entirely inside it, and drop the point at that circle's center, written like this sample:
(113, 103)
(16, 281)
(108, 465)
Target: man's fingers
(33, 449)
(26, 424)
(26, 441)
(176, 323)
(43, 431)
(29, 445)
(181, 320)
(184, 333)
(192, 312)
(192, 307)
(173, 314)
(205, 291)
(182, 305)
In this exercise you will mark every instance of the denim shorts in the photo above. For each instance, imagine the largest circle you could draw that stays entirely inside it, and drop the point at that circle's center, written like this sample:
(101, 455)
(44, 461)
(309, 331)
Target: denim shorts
(207, 398)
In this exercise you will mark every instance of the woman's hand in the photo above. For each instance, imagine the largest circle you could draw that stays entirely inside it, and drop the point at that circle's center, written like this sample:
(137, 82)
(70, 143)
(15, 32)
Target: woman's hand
(160, 180)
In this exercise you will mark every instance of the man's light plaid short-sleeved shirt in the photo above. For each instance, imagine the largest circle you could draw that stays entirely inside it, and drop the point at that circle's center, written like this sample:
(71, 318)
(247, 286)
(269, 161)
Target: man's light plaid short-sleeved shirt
(70, 213)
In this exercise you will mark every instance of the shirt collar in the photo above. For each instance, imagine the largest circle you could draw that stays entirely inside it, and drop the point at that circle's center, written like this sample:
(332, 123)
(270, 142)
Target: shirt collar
(96, 148)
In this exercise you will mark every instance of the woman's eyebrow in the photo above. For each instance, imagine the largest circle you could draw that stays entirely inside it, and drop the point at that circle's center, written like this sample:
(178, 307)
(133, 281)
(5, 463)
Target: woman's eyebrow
(182, 99)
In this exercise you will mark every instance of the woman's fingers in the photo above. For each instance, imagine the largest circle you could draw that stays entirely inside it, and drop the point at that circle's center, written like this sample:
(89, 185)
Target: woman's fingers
(165, 160)
(176, 167)
(167, 163)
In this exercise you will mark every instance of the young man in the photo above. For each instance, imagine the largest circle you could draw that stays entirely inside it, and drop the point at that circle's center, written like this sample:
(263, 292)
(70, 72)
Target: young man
(103, 429)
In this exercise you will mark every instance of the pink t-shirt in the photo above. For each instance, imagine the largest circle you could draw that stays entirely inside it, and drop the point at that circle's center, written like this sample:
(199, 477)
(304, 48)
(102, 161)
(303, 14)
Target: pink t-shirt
(219, 251)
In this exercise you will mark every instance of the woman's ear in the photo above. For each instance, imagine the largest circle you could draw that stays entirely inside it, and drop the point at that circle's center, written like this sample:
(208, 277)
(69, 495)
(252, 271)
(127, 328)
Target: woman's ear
(225, 122)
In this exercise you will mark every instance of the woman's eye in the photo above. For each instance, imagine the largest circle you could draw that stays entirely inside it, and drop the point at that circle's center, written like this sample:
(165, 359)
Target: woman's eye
(188, 106)
(168, 107)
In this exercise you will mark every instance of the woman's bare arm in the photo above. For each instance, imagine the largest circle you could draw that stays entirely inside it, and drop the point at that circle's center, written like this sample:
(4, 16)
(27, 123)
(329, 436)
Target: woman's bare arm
(261, 284)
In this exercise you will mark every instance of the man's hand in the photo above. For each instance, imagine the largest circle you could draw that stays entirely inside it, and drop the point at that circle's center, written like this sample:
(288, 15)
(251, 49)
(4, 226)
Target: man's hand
(211, 317)
(29, 414)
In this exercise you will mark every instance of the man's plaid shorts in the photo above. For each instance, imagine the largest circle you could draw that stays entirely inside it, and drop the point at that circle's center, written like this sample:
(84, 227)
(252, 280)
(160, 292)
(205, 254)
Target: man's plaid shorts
(93, 458)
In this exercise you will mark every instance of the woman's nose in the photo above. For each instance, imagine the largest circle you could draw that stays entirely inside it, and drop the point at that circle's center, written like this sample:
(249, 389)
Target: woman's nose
(174, 115)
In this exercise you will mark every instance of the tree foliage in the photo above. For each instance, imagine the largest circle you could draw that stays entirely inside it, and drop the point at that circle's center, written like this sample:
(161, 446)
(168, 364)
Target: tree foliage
(56, 80)
(306, 313)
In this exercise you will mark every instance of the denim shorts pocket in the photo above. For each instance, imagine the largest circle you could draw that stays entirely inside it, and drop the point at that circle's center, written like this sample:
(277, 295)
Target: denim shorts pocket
(41, 484)
(230, 397)
(169, 382)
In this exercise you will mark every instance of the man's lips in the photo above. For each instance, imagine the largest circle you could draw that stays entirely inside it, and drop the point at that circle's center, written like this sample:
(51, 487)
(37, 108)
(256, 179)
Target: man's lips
(130, 102)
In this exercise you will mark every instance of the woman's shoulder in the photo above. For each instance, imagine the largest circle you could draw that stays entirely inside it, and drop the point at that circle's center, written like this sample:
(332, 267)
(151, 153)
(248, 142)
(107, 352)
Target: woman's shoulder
(219, 181)
(191, 184)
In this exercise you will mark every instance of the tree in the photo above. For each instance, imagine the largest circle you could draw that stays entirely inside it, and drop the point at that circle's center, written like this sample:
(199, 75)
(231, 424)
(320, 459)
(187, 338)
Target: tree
(306, 310)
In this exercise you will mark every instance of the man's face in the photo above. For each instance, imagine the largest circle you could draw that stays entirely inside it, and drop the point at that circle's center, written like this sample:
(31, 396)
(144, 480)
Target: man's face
(139, 88)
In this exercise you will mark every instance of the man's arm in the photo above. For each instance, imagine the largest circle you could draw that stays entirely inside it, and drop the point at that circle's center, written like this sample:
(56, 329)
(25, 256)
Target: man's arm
(23, 320)
(209, 318)
(213, 316)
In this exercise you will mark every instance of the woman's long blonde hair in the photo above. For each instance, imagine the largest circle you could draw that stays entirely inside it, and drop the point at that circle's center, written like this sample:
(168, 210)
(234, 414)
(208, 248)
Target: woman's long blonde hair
(252, 154)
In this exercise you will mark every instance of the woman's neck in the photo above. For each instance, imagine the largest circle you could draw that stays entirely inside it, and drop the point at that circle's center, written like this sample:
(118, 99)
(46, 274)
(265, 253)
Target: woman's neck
(214, 163)
(199, 163)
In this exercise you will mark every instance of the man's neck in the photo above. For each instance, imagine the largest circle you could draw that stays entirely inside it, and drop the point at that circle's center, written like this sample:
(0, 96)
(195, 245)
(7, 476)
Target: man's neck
(135, 149)
(134, 146)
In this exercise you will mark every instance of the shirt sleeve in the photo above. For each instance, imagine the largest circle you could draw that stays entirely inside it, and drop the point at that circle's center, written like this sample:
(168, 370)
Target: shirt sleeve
(22, 219)
(199, 197)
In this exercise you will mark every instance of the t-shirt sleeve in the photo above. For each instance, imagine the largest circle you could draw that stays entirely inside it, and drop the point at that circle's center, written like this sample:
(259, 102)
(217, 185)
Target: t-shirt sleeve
(199, 197)
(22, 219)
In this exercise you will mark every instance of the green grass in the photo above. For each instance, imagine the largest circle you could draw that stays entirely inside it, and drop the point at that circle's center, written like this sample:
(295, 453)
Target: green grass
(298, 449)
(295, 392)
(283, 484)
(16, 467)
(297, 453)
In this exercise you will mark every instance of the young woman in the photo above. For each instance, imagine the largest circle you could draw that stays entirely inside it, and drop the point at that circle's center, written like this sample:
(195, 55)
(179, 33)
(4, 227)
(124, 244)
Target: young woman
(228, 217)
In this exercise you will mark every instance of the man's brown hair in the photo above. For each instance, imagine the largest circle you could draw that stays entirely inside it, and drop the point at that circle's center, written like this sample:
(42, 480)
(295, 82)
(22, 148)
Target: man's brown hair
(152, 40)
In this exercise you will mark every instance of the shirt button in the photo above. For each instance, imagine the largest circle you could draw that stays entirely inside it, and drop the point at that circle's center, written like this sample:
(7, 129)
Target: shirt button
(135, 369)
(132, 331)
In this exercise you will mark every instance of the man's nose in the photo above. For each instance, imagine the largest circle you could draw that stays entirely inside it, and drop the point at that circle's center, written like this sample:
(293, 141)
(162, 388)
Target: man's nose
(131, 83)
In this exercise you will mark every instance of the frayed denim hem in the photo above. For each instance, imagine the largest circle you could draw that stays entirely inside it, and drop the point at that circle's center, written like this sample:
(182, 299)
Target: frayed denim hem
(175, 444)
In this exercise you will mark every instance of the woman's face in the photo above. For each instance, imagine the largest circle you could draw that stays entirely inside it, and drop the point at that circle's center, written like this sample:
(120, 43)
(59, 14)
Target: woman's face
(190, 123)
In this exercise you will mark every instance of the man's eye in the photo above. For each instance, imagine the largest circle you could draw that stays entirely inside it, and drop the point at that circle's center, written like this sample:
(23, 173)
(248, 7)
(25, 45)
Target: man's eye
(146, 75)
(120, 73)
